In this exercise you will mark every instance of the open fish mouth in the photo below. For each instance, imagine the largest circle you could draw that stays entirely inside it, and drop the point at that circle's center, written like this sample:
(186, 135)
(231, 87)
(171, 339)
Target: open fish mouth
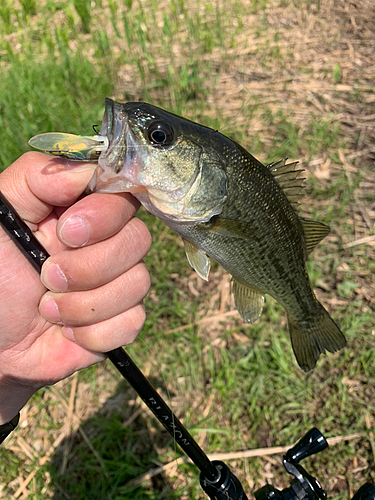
(119, 164)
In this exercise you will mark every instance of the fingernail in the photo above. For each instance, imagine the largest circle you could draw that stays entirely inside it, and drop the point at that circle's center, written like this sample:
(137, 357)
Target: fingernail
(74, 232)
(49, 310)
(68, 333)
(53, 278)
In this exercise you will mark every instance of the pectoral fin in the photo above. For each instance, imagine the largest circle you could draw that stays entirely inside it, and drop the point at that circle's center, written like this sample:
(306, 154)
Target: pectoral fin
(248, 302)
(231, 228)
(197, 259)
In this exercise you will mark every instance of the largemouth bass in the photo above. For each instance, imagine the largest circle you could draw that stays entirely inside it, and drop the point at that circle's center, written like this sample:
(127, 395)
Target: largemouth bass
(227, 206)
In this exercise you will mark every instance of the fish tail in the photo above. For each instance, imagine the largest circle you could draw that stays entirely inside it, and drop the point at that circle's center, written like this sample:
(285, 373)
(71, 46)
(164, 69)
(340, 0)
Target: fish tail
(309, 340)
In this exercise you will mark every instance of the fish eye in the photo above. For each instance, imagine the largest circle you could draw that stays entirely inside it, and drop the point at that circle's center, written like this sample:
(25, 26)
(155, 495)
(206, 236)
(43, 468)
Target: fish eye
(160, 134)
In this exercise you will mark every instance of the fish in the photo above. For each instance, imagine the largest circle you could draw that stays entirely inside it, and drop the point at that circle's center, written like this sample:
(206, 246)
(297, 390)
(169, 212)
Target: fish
(227, 206)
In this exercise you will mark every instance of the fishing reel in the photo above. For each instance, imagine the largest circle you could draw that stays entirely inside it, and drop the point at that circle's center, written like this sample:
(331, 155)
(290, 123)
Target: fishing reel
(305, 486)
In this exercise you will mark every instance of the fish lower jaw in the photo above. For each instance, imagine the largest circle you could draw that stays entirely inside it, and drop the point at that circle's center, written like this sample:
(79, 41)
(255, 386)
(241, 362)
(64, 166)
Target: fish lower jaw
(136, 189)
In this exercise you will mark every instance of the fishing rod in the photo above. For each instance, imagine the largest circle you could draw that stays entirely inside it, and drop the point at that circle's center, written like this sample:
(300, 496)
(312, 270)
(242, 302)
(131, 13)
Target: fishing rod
(216, 479)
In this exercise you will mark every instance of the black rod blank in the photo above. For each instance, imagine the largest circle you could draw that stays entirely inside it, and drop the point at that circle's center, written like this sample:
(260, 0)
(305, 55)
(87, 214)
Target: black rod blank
(21, 234)
(162, 412)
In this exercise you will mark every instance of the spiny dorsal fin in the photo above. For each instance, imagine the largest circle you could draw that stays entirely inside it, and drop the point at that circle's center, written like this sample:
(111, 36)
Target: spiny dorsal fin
(314, 232)
(287, 178)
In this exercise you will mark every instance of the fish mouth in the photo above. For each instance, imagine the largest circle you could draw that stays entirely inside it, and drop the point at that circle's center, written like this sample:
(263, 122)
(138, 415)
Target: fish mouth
(121, 167)
(114, 127)
(118, 166)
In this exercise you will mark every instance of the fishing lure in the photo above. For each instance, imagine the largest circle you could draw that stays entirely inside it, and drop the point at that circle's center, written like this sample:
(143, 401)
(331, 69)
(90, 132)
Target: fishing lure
(75, 147)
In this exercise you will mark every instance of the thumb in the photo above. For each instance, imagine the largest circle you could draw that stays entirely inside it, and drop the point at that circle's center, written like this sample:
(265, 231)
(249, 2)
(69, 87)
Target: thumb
(36, 182)
(34, 185)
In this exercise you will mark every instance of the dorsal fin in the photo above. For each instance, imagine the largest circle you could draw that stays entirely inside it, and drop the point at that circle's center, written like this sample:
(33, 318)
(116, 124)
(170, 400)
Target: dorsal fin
(287, 177)
(314, 232)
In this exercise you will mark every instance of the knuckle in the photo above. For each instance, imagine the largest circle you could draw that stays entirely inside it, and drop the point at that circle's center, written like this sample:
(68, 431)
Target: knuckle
(79, 309)
(82, 273)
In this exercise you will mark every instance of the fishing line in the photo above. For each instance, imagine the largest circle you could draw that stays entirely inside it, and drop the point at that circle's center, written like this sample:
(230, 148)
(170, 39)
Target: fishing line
(239, 112)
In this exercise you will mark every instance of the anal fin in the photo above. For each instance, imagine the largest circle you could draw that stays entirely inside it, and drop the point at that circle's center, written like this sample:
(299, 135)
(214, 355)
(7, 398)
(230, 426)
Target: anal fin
(248, 302)
(197, 259)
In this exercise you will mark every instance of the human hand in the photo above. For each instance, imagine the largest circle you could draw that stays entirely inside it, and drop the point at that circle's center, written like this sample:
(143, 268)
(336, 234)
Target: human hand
(52, 326)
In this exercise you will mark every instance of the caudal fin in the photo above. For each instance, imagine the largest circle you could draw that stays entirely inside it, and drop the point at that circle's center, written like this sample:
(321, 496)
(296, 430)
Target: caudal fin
(309, 341)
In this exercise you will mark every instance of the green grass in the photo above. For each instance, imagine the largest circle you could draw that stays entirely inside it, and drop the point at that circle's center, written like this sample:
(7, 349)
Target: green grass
(234, 386)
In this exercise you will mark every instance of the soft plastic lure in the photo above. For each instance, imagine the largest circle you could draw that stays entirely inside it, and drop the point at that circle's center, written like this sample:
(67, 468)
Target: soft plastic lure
(75, 147)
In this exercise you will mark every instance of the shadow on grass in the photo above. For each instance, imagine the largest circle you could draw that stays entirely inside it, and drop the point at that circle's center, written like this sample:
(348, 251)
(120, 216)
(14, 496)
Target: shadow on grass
(109, 450)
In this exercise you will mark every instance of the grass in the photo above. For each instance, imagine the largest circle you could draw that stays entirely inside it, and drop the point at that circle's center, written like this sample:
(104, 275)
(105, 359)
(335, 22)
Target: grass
(266, 74)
